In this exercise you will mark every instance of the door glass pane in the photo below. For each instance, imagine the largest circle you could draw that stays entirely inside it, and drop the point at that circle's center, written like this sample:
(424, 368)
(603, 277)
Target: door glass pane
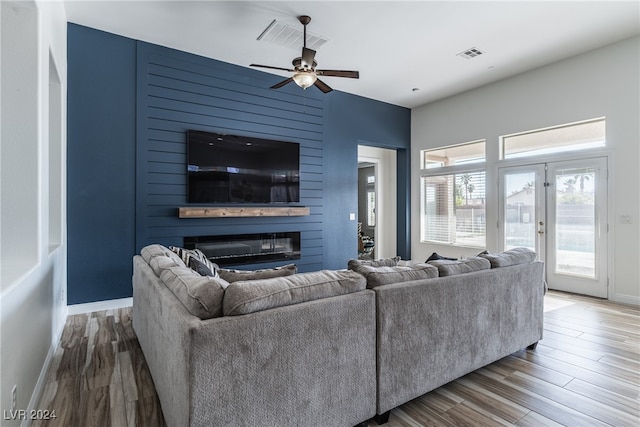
(520, 207)
(575, 222)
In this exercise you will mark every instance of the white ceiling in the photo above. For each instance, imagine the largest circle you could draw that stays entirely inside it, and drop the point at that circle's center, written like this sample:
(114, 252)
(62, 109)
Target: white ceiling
(396, 46)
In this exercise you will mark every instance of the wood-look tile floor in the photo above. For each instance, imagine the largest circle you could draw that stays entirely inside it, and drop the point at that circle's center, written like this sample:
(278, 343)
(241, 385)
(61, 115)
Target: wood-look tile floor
(585, 372)
(99, 377)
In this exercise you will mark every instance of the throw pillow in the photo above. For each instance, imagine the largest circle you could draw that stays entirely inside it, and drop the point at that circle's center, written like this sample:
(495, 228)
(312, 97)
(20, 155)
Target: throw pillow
(201, 268)
(186, 254)
(434, 257)
(237, 275)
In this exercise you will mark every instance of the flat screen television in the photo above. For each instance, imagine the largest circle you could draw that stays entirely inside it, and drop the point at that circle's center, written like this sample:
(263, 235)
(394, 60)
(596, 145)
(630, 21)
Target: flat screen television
(237, 169)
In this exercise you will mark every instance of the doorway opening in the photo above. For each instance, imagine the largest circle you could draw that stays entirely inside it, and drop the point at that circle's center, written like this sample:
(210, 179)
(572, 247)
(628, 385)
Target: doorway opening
(377, 202)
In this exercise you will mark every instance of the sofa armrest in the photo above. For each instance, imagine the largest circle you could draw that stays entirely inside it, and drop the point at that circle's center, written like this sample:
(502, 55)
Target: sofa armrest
(162, 326)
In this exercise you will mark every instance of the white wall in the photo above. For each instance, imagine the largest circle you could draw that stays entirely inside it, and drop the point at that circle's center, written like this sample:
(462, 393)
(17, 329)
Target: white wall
(386, 189)
(600, 83)
(32, 212)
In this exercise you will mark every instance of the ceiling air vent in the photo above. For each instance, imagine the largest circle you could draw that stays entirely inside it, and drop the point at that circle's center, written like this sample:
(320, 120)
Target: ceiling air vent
(284, 35)
(470, 53)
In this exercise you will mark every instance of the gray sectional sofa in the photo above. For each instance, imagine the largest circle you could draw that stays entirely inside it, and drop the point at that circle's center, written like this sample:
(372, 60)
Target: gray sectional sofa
(327, 348)
(432, 331)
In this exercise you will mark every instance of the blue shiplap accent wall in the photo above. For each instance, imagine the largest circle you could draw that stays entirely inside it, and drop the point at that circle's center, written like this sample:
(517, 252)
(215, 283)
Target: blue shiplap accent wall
(130, 104)
(100, 165)
(350, 121)
(177, 91)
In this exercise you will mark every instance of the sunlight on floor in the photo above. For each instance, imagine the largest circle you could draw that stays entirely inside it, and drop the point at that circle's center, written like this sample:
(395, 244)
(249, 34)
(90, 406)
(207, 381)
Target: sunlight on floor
(553, 303)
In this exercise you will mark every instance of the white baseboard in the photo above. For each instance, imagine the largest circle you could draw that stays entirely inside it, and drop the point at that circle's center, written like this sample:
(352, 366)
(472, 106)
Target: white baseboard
(627, 299)
(42, 378)
(100, 306)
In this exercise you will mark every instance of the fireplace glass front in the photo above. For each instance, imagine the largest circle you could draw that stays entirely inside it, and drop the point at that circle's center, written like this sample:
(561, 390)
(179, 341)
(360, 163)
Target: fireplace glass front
(247, 248)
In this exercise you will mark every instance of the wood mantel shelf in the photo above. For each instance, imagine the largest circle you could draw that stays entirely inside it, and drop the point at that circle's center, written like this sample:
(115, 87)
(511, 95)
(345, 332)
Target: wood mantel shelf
(222, 212)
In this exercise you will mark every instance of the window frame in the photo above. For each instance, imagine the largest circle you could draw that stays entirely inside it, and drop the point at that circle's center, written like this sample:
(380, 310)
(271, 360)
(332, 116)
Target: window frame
(560, 150)
(458, 169)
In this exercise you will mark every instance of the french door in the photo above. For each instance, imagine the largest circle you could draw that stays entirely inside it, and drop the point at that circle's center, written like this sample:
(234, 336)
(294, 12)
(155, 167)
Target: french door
(559, 210)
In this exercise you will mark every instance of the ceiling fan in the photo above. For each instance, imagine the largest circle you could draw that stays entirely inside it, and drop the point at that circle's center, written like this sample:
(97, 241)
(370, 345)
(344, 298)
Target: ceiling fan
(304, 67)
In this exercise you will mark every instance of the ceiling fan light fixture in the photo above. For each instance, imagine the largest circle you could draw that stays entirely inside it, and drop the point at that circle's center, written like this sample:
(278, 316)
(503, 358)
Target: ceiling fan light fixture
(304, 79)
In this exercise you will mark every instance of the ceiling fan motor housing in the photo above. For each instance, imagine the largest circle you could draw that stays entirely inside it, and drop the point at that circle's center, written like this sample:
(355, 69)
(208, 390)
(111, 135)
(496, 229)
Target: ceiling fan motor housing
(300, 66)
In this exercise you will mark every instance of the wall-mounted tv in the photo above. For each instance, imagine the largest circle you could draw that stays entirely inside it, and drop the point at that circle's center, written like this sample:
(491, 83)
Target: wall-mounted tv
(237, 169)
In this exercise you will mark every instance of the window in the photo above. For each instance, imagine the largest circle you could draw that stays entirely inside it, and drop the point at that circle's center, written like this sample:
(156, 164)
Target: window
(574, 136)
(471, 152)
(453, 208)
(452, 195)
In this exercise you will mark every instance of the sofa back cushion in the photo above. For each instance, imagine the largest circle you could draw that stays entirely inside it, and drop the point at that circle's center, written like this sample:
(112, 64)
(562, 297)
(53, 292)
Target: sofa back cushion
(250, 296)
(240, 275)
(161, 262)
(378, 276)
(353, 264)
(511, 257)
(202, 296)
(461, 266)
(151, 251)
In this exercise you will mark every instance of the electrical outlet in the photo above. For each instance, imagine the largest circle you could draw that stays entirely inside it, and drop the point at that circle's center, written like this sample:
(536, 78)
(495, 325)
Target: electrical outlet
(14, 397)
(625, 219)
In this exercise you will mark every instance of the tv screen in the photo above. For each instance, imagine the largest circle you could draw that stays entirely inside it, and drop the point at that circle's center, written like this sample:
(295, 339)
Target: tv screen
(235, 169)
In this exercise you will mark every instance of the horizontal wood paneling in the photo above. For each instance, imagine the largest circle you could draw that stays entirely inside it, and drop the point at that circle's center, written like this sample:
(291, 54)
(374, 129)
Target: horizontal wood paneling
(127, 175)
(177, 92)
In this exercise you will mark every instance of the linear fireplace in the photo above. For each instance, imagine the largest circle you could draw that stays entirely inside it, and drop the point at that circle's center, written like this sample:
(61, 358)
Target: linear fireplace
(247, 248)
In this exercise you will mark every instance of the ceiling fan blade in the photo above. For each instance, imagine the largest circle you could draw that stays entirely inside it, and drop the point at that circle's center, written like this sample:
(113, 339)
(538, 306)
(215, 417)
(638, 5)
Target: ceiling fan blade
(282, 83)
(339, 73)
(307, 57)
(322, 86)
(273, 68)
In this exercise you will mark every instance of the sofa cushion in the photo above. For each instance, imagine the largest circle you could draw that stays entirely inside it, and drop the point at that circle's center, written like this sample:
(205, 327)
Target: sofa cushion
(461, 266)
(511, 257)
(154, 250)
(353, 264)
(268, 273)
(202, 296)
(377, 276)
(162, 262)
(249, 296)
